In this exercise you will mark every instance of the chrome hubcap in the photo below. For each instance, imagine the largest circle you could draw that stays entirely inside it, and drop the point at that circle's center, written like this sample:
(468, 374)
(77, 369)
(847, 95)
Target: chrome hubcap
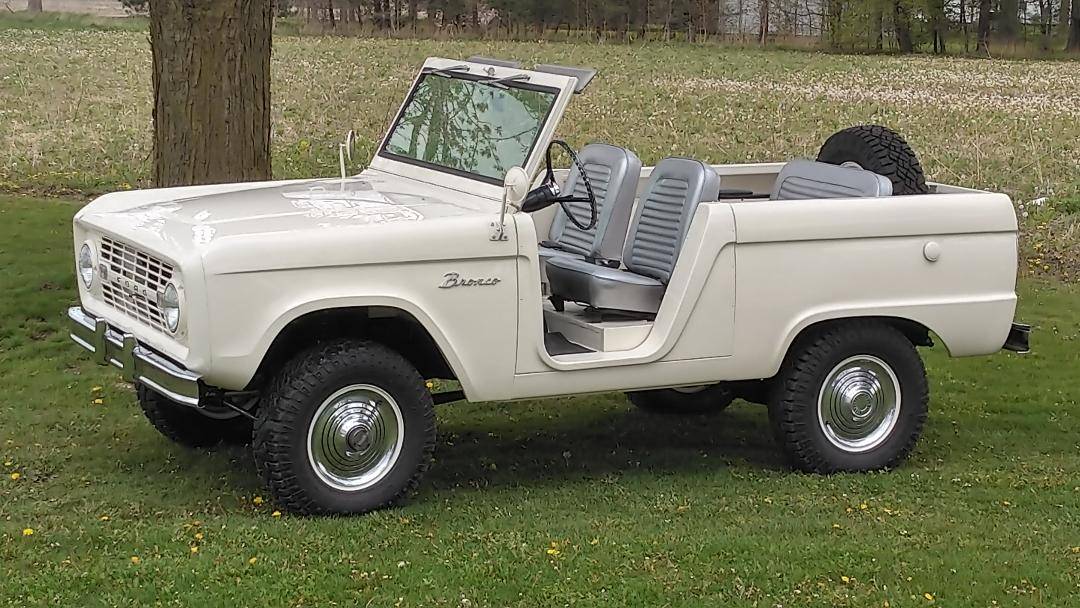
(859, 403)
(355, 437)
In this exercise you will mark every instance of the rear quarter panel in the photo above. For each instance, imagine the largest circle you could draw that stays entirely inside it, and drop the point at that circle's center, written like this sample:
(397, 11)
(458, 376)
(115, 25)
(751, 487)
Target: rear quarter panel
(802, 262)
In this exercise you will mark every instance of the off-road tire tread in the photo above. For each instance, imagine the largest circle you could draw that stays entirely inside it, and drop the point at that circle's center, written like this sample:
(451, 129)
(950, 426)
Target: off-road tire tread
(889, 155)
(796, 389)
(288, 396)
(183, 425)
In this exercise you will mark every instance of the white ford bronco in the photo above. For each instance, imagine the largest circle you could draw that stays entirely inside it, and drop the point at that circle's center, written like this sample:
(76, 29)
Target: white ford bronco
(308, 317)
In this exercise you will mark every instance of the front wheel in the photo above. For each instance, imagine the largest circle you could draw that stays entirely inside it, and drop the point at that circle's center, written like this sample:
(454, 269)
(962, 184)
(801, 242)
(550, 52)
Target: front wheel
(852, 397)
(347, 427)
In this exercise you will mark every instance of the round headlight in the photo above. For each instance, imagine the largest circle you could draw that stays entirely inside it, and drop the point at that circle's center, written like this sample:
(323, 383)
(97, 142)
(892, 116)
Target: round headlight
(170, 307)
(86, 265)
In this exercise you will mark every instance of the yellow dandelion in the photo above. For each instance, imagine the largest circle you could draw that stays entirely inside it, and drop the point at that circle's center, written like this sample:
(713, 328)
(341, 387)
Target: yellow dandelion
(836, 526)
(845, 579)
(96, 389)
(863, 507)
(253, 560)
(429, 384)
(98, 401)
(552, 551)
(929, 596)
(8, 463)
(276, 514)
(258, 500)
(28, 532)
(104, 518)
(194, 549)
(135, 559)
(15, 476)
(199, 536)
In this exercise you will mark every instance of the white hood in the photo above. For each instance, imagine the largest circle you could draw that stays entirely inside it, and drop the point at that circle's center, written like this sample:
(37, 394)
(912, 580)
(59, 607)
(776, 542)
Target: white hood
(192, 217)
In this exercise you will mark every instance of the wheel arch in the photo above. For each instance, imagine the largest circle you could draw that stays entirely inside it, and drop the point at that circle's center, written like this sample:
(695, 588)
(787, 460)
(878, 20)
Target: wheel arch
(915, 331)
(409, 332)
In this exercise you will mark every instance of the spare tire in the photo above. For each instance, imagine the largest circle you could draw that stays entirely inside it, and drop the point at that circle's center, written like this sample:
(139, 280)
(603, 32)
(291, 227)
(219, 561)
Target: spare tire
(878, 149)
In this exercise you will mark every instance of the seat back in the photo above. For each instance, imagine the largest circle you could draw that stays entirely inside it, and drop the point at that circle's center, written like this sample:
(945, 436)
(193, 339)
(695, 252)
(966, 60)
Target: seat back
(663, 215)
(807, 179)
(613, 173)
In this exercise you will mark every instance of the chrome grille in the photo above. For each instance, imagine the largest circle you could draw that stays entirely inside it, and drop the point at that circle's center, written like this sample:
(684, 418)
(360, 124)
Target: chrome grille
(131, 281)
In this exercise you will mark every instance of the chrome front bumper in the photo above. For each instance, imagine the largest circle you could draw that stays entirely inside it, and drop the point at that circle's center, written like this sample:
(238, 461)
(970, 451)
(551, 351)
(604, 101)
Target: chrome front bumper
(140, 364)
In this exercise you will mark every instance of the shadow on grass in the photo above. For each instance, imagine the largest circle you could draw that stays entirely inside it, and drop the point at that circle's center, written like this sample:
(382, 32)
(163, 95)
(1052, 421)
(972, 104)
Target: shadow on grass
(545, 445)
(601, 443)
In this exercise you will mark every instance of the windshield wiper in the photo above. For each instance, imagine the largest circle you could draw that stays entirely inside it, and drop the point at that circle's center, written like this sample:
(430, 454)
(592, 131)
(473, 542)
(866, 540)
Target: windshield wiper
(491, 80)
(448, 72)
(499, 82)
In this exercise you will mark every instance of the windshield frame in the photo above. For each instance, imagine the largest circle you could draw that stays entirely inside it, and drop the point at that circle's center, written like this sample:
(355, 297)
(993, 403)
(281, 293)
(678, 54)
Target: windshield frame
(477, 78)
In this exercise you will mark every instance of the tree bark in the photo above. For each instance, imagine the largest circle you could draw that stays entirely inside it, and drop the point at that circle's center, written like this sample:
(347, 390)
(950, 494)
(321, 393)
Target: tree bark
(1063, 14)
(1009, 19)
(984, 26)
(33, 6)
(211, 74)
(1074, 29)
(902, 25)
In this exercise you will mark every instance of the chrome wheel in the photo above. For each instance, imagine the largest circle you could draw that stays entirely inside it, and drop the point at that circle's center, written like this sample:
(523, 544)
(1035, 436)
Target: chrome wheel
(859, 404)
(355, 437)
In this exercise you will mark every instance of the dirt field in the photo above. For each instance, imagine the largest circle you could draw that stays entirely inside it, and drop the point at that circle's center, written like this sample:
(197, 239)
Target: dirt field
(101, 8)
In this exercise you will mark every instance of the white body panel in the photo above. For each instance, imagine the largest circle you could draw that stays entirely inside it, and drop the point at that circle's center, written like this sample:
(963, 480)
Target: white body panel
(252, 258)
(751, 276)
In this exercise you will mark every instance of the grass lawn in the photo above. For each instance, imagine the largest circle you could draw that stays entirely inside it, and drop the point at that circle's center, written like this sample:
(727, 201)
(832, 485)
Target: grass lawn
(75, 109)
(548, 503)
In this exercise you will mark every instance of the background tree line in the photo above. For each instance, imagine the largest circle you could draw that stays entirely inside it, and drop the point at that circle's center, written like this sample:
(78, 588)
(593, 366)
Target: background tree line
(868, 25)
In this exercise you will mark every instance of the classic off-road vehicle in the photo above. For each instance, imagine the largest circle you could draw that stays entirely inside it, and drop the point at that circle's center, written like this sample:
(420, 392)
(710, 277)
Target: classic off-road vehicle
(306, 316)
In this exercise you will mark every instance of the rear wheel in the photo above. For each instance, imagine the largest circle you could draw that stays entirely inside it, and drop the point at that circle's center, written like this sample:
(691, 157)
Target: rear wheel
(878, 149)
(704, 399)
(192, 427)
(347, 427)
(852, 397)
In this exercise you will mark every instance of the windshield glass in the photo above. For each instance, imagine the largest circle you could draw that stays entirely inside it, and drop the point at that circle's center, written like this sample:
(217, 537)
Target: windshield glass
(470, 127)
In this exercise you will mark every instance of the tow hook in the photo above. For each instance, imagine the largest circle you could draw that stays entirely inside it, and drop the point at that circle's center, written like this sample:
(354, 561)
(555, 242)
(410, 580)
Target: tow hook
(1018, 340)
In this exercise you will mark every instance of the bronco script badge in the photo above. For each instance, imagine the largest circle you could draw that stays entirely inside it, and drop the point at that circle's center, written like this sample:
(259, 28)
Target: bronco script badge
(453, 279)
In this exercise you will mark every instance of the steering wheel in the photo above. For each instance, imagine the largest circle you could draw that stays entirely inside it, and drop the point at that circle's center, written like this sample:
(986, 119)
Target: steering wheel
(564, 200)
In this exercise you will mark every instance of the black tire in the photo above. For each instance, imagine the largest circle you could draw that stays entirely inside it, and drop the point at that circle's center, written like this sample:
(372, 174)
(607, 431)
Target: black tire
(188, 426)
(296, 394)
(881, 150)
(794, 407)
(708, 400)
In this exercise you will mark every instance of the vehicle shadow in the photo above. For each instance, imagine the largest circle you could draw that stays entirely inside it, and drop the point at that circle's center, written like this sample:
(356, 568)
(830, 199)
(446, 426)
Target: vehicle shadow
(608, 441)
(541, 443)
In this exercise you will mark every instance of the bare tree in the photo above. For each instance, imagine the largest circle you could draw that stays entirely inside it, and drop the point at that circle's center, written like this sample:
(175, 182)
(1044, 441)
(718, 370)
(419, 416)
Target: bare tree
(211, 72)
(985, 7)
(33, 6)
(1074, 28)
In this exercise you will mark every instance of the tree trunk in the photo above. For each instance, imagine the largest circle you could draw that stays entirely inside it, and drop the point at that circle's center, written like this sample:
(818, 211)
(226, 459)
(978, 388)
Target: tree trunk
(984, 26)
(903, 26)
(1063, 14)
(763, 22)
(211, 73)
(1009, 19)
(1074, 29)
(33, 6)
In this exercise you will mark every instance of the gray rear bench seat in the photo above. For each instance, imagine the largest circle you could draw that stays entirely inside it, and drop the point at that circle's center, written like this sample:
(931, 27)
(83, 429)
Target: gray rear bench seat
(660, 222)
(807, 179)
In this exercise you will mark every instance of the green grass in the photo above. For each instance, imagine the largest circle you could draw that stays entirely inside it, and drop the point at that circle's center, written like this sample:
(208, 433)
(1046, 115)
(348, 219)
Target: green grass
(75, 111)
(61, 22)
(566, 501)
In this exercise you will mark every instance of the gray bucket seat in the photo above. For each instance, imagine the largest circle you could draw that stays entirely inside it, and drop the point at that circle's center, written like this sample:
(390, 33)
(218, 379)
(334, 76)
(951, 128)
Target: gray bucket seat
(660, 222)
(807, 179)
(613, 173)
